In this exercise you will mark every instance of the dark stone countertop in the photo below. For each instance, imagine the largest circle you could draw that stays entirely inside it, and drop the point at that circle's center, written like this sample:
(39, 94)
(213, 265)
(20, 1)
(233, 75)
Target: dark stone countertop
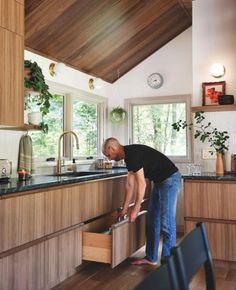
(228, 176)
(45, 181)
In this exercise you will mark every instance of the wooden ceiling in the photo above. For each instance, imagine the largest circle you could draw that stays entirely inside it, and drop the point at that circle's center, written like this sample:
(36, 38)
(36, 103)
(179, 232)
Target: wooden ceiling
(103, 38)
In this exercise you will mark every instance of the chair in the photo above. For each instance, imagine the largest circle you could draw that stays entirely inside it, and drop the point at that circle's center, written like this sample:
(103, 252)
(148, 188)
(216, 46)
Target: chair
(162, 278)
(192, 252)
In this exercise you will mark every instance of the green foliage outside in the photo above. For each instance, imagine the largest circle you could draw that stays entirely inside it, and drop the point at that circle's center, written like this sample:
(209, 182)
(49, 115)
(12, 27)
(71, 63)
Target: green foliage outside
(45, 145)
(85, 123)
(152, 126)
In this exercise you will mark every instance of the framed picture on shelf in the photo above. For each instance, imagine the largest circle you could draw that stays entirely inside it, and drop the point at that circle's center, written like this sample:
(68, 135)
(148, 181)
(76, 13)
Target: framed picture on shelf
(211, 92)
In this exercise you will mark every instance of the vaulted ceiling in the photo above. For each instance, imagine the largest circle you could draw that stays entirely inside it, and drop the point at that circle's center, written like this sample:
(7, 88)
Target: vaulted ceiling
(104, 38)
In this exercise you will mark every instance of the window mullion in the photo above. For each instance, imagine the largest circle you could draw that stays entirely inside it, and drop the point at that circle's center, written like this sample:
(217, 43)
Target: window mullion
(68, 115)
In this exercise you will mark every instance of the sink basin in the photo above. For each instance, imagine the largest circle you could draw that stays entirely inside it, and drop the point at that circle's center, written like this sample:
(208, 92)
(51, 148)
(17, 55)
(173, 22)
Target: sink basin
(78, 173)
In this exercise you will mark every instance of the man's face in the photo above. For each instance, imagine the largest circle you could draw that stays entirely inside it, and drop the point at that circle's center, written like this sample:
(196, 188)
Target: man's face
(111, 153)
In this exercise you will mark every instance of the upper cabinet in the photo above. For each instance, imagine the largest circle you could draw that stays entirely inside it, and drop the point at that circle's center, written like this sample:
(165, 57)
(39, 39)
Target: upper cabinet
(12, 15)
(11, 62)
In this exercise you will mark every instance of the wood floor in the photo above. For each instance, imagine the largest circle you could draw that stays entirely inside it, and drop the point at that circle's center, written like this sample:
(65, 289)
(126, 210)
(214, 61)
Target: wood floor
(97, 276)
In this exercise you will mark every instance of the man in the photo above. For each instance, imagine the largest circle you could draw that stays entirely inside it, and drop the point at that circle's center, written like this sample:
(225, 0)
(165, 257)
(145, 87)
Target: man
(145, 162)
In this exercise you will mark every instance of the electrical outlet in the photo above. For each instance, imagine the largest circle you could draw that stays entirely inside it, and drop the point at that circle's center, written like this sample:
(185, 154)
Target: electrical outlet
(208, 153)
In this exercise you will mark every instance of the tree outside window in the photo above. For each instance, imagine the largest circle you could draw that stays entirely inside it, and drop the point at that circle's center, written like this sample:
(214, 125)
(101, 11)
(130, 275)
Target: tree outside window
(85, 124)
(45, 145)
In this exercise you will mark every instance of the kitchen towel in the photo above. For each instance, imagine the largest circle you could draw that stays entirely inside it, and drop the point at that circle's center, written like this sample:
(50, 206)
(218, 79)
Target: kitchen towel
(25, 158)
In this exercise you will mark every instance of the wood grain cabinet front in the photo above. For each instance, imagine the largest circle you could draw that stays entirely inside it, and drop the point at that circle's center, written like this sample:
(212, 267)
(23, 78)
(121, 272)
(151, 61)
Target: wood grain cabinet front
(213, 202)
(107, 241)
(12, 16)
(44, 264)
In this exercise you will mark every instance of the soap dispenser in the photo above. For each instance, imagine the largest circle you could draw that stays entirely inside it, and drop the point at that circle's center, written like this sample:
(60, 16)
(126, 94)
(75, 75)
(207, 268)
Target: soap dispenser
(74, 167)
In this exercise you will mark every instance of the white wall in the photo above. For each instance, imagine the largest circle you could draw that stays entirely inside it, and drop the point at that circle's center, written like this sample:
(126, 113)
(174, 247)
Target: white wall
(173, 61)
(214, 40)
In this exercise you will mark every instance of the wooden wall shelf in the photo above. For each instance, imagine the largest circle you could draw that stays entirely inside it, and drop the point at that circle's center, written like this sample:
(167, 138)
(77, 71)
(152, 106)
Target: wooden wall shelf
(216, 108)
(26, 127)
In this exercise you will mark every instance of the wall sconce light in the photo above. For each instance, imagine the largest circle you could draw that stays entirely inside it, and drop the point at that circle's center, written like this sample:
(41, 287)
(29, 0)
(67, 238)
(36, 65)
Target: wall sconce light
(56, 68)
(217, 70)
(95, 83)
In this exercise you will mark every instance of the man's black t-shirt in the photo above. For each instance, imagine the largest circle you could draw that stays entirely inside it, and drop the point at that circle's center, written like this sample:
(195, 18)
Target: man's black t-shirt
(157, 167)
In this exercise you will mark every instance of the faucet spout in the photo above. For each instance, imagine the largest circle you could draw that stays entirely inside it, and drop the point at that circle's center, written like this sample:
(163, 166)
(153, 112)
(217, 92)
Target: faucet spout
(59, 147)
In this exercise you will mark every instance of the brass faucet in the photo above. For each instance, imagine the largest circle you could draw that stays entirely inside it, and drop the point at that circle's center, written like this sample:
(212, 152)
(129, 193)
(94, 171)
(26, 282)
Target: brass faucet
(59, 148)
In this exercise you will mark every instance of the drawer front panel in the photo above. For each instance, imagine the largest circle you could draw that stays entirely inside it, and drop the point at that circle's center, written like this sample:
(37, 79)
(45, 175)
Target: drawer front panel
(128, 238)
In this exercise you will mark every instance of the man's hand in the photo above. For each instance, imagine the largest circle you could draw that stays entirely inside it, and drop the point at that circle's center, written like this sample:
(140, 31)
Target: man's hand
(134, 214)
(121, 213)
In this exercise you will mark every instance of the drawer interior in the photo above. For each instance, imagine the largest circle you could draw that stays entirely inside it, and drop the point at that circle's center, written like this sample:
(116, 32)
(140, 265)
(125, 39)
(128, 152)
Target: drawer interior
(108, 241)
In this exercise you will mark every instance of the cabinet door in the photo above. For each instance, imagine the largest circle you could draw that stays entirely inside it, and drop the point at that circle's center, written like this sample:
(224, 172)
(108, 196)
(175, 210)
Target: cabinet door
(221, 238)
(11, 78)
(210, 200)
(22, 220)
(12, 16)
(42, 265)
(63, 254)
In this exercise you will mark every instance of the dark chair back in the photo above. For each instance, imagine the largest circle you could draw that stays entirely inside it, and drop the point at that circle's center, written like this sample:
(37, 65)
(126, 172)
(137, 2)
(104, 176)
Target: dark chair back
(193, 252)
(162, 278)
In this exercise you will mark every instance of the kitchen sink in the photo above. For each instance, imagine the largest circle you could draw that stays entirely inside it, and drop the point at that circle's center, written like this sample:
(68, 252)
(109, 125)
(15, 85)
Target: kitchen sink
(78, 173)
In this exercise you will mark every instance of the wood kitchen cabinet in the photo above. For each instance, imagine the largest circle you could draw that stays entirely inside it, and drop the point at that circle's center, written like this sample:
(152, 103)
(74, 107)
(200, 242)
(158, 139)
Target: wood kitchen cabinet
(41, 230)
(33, 215)
(214, 203)
(44, 264)
(11, 63)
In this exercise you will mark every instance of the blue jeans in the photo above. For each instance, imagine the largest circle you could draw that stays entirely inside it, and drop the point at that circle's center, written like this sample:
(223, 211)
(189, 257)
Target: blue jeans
(161, 216)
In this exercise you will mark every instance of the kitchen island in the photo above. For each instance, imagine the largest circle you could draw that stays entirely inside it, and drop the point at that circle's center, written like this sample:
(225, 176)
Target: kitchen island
(211, 198)
(43, 220)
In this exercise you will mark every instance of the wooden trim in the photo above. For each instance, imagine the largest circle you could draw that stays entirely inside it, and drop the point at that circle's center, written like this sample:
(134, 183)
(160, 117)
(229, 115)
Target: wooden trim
(26, 127)
(217, 108)
(209, 220)
(208, 181)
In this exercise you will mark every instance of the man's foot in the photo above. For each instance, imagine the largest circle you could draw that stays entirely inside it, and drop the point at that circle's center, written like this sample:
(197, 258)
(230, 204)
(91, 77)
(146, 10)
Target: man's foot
(143, 261)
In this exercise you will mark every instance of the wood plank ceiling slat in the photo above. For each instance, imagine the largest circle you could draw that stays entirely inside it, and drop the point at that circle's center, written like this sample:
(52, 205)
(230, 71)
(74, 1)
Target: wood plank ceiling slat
(100, 37)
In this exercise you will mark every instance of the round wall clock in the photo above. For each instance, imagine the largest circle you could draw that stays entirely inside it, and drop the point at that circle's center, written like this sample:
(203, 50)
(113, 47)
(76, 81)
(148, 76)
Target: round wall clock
(155, 80)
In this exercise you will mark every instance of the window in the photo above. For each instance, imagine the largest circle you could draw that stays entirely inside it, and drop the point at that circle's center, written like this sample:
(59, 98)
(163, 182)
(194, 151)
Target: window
(150, 122)
(71, 110)
(85, 122)
(45, 145)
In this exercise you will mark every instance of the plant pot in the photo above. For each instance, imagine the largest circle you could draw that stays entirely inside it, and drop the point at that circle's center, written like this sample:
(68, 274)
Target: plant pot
(219, 164)
(35, 118)
(118, 115)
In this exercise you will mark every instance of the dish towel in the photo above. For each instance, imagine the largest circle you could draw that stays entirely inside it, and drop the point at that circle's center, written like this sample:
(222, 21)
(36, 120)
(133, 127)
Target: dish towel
(25, 158)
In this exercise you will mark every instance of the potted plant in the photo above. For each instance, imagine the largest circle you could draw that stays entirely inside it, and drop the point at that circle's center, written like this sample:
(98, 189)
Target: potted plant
(118, 115)
(205, 132)
(34, 80)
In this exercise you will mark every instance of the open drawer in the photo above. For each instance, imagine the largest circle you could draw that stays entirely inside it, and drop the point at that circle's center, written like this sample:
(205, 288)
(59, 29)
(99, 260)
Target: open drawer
(116, 244)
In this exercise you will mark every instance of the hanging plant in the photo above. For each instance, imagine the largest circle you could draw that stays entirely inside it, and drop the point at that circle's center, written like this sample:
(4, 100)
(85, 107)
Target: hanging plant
(34, 80)
(118, 115)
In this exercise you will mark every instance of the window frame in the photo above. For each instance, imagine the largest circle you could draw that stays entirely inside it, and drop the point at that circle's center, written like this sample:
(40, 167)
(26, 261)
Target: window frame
(68, 94)
(130, 102)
